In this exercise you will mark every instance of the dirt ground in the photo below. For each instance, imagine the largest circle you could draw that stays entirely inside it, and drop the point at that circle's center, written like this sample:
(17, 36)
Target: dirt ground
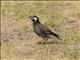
(19, 42)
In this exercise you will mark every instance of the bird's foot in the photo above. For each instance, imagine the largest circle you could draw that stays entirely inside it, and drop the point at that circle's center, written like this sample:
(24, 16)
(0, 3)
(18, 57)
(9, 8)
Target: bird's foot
(44, 43)
(39, 42)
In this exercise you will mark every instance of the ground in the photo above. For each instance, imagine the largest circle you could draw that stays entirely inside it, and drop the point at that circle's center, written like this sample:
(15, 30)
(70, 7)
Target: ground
(19, 42)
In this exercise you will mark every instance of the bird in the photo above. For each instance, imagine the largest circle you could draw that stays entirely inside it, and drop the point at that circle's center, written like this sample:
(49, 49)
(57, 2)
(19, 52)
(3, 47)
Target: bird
(41, 30)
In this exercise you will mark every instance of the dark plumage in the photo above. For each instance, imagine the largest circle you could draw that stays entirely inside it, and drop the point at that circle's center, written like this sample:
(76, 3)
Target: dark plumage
(40, 29)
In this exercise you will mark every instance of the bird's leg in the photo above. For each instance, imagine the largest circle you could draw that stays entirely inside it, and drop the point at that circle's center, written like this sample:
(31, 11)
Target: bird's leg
(45, 40)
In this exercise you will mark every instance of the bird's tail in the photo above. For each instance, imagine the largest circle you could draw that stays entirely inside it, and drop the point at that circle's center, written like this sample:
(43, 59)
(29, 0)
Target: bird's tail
(57, 36)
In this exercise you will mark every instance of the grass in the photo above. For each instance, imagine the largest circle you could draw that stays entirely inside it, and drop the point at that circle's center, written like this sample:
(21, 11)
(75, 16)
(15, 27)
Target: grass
(19, 42)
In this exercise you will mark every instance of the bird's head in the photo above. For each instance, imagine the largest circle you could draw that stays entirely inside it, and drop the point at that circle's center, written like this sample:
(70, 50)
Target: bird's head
(35, 19)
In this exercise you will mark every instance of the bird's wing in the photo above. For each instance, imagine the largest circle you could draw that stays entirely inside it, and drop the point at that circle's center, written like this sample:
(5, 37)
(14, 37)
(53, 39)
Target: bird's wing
(47, 31)
(43, 28)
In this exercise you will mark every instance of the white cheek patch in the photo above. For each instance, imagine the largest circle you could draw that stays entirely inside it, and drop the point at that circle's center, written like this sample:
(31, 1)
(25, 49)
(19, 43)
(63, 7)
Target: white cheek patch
(35, 18)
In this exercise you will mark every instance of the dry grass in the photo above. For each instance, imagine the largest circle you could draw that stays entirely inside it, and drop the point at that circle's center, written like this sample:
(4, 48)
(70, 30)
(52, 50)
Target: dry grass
(19, 42)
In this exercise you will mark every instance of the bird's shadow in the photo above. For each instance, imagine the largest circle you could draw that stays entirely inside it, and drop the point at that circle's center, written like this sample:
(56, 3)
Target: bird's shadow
(52, 42)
